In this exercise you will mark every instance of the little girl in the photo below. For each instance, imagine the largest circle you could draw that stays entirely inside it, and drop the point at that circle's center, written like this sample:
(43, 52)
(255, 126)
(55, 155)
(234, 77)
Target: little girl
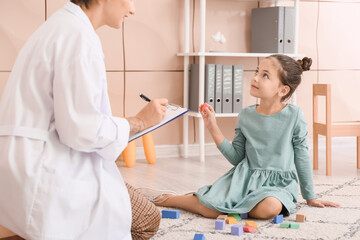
(269, 152)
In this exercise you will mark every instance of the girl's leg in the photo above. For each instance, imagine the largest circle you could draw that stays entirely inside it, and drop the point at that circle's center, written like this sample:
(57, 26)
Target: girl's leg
(145, 215)
(268, 208)
(187, 202)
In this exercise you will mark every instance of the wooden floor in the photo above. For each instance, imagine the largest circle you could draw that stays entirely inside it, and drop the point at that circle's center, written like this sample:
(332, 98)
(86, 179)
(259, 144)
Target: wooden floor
(186, 175)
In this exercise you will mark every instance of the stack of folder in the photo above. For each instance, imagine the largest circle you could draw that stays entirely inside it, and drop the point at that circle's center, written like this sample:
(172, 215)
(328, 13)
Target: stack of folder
(223, 87)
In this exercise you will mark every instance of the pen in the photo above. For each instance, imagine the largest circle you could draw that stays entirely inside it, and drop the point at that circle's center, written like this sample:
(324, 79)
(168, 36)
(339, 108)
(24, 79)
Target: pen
(145, 97)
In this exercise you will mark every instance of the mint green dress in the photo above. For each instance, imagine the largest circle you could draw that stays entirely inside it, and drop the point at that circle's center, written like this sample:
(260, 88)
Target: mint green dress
(269, 154)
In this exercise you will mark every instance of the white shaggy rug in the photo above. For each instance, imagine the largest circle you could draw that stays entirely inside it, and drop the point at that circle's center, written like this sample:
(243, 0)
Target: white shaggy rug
(321, 223)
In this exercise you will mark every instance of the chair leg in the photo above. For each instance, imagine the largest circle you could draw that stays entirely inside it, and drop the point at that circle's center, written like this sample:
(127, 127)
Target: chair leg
(315, 151)
(328, 155)
(358, 151)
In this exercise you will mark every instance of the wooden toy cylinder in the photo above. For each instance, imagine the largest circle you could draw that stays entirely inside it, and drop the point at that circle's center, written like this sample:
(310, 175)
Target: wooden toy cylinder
(129, 154)
(149, 148)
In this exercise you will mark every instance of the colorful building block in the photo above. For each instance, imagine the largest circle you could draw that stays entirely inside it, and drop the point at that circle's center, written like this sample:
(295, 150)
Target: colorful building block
(249, 229)
(294, 225)
(236, 216)
(231, 220)
(174, 214)
(236, 230)
(199, 236)
(244, 215)
(278, 219)
(251, 223)
(284, 225)
(300, 217)
(222, 217)
(220, 224)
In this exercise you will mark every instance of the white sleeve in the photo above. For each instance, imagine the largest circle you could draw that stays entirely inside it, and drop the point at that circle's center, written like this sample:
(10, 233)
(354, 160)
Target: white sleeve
(79, 121)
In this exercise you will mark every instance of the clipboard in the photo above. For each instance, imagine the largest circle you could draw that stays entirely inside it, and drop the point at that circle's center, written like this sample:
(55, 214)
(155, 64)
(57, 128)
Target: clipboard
(172, 113)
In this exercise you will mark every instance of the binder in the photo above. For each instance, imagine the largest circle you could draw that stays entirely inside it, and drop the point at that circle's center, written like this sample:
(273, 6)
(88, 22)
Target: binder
(289, 30)
(194, 88)
(210, 84)
(238, 73)
(218, 88)
(227, 89)
(267, 26)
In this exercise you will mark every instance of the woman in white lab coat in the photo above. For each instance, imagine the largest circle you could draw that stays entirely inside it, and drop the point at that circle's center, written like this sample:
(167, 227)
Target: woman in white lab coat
(59, 141)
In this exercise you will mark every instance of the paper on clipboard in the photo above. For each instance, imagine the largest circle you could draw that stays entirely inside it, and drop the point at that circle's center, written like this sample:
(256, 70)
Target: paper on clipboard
(172, 112)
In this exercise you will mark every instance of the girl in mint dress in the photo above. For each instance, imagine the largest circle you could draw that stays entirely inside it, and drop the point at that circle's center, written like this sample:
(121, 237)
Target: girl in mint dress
(269, 151)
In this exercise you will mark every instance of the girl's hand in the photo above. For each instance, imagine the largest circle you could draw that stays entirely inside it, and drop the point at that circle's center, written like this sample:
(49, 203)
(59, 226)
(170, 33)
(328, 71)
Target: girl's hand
(321, 203)
(208, 114)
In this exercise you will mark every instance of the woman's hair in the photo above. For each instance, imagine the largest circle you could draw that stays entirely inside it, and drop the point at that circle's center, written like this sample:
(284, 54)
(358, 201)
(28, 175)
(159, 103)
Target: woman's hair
(82, 2)
(290, 71)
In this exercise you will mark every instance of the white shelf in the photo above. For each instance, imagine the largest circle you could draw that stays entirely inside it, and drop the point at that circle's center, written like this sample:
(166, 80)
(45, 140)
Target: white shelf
(227, 54)
(198, 115)
(202, 54)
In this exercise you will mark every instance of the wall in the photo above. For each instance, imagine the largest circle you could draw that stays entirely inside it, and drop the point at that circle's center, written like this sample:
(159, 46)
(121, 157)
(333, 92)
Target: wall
(154, 35)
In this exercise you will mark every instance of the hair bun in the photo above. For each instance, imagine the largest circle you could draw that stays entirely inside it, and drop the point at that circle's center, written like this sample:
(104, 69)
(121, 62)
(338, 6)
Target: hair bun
(305, 63)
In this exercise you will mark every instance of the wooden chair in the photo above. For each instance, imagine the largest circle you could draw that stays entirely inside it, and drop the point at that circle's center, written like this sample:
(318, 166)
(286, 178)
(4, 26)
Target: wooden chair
(330, 129)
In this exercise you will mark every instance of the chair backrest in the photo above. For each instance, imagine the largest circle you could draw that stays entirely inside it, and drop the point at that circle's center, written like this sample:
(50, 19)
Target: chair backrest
(322, 90)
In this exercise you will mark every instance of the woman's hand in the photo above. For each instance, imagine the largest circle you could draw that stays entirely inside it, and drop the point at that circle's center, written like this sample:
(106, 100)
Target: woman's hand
(149, 116)
(321, 203)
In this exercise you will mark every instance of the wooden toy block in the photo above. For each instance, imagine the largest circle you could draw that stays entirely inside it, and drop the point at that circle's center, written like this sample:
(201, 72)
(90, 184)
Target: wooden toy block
(278, 219)
(237, 230)
(199, 236)
(284, 225)
(231, 220)
(174, 214)
(251, 223)
(220, 224)
(249, 229)
(300, 217)
(236, 216)
(222, 217)
(294, 225)
(244, 215)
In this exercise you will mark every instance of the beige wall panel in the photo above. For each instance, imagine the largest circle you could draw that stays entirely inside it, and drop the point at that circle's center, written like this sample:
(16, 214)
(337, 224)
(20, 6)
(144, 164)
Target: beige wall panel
(304, 98)
(232, 19)
(345, 99)
(307, 31)
(18, 20)
(3, 79)
(338, 36)
(110, 39)
(156, 85)
(154, 35)
(116, 92)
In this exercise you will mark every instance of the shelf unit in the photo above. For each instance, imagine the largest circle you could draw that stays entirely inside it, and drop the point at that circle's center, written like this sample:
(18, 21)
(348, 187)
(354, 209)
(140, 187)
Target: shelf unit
(201, 55)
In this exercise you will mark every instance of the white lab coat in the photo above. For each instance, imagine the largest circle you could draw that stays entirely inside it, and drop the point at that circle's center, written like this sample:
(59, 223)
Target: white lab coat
(58, 139)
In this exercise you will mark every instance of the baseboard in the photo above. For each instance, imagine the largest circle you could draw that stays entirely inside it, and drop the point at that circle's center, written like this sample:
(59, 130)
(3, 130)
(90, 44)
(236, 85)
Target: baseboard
(168, 151)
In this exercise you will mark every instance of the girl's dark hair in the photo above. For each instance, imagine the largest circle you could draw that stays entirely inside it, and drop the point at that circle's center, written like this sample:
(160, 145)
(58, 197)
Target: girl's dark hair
(290, 71)
(82, 2)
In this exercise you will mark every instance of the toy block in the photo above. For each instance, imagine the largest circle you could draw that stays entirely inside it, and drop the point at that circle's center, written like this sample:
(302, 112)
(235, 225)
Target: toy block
(222, 217)
(251, 223)
(294, 225)
(237, 230)
(278, 219)
(236, 216)
(199, 236)
(249, 229)
(284, 225)
(231, 220)
(174, 214)
(300, 217)
(244, 215)
(220, 224)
